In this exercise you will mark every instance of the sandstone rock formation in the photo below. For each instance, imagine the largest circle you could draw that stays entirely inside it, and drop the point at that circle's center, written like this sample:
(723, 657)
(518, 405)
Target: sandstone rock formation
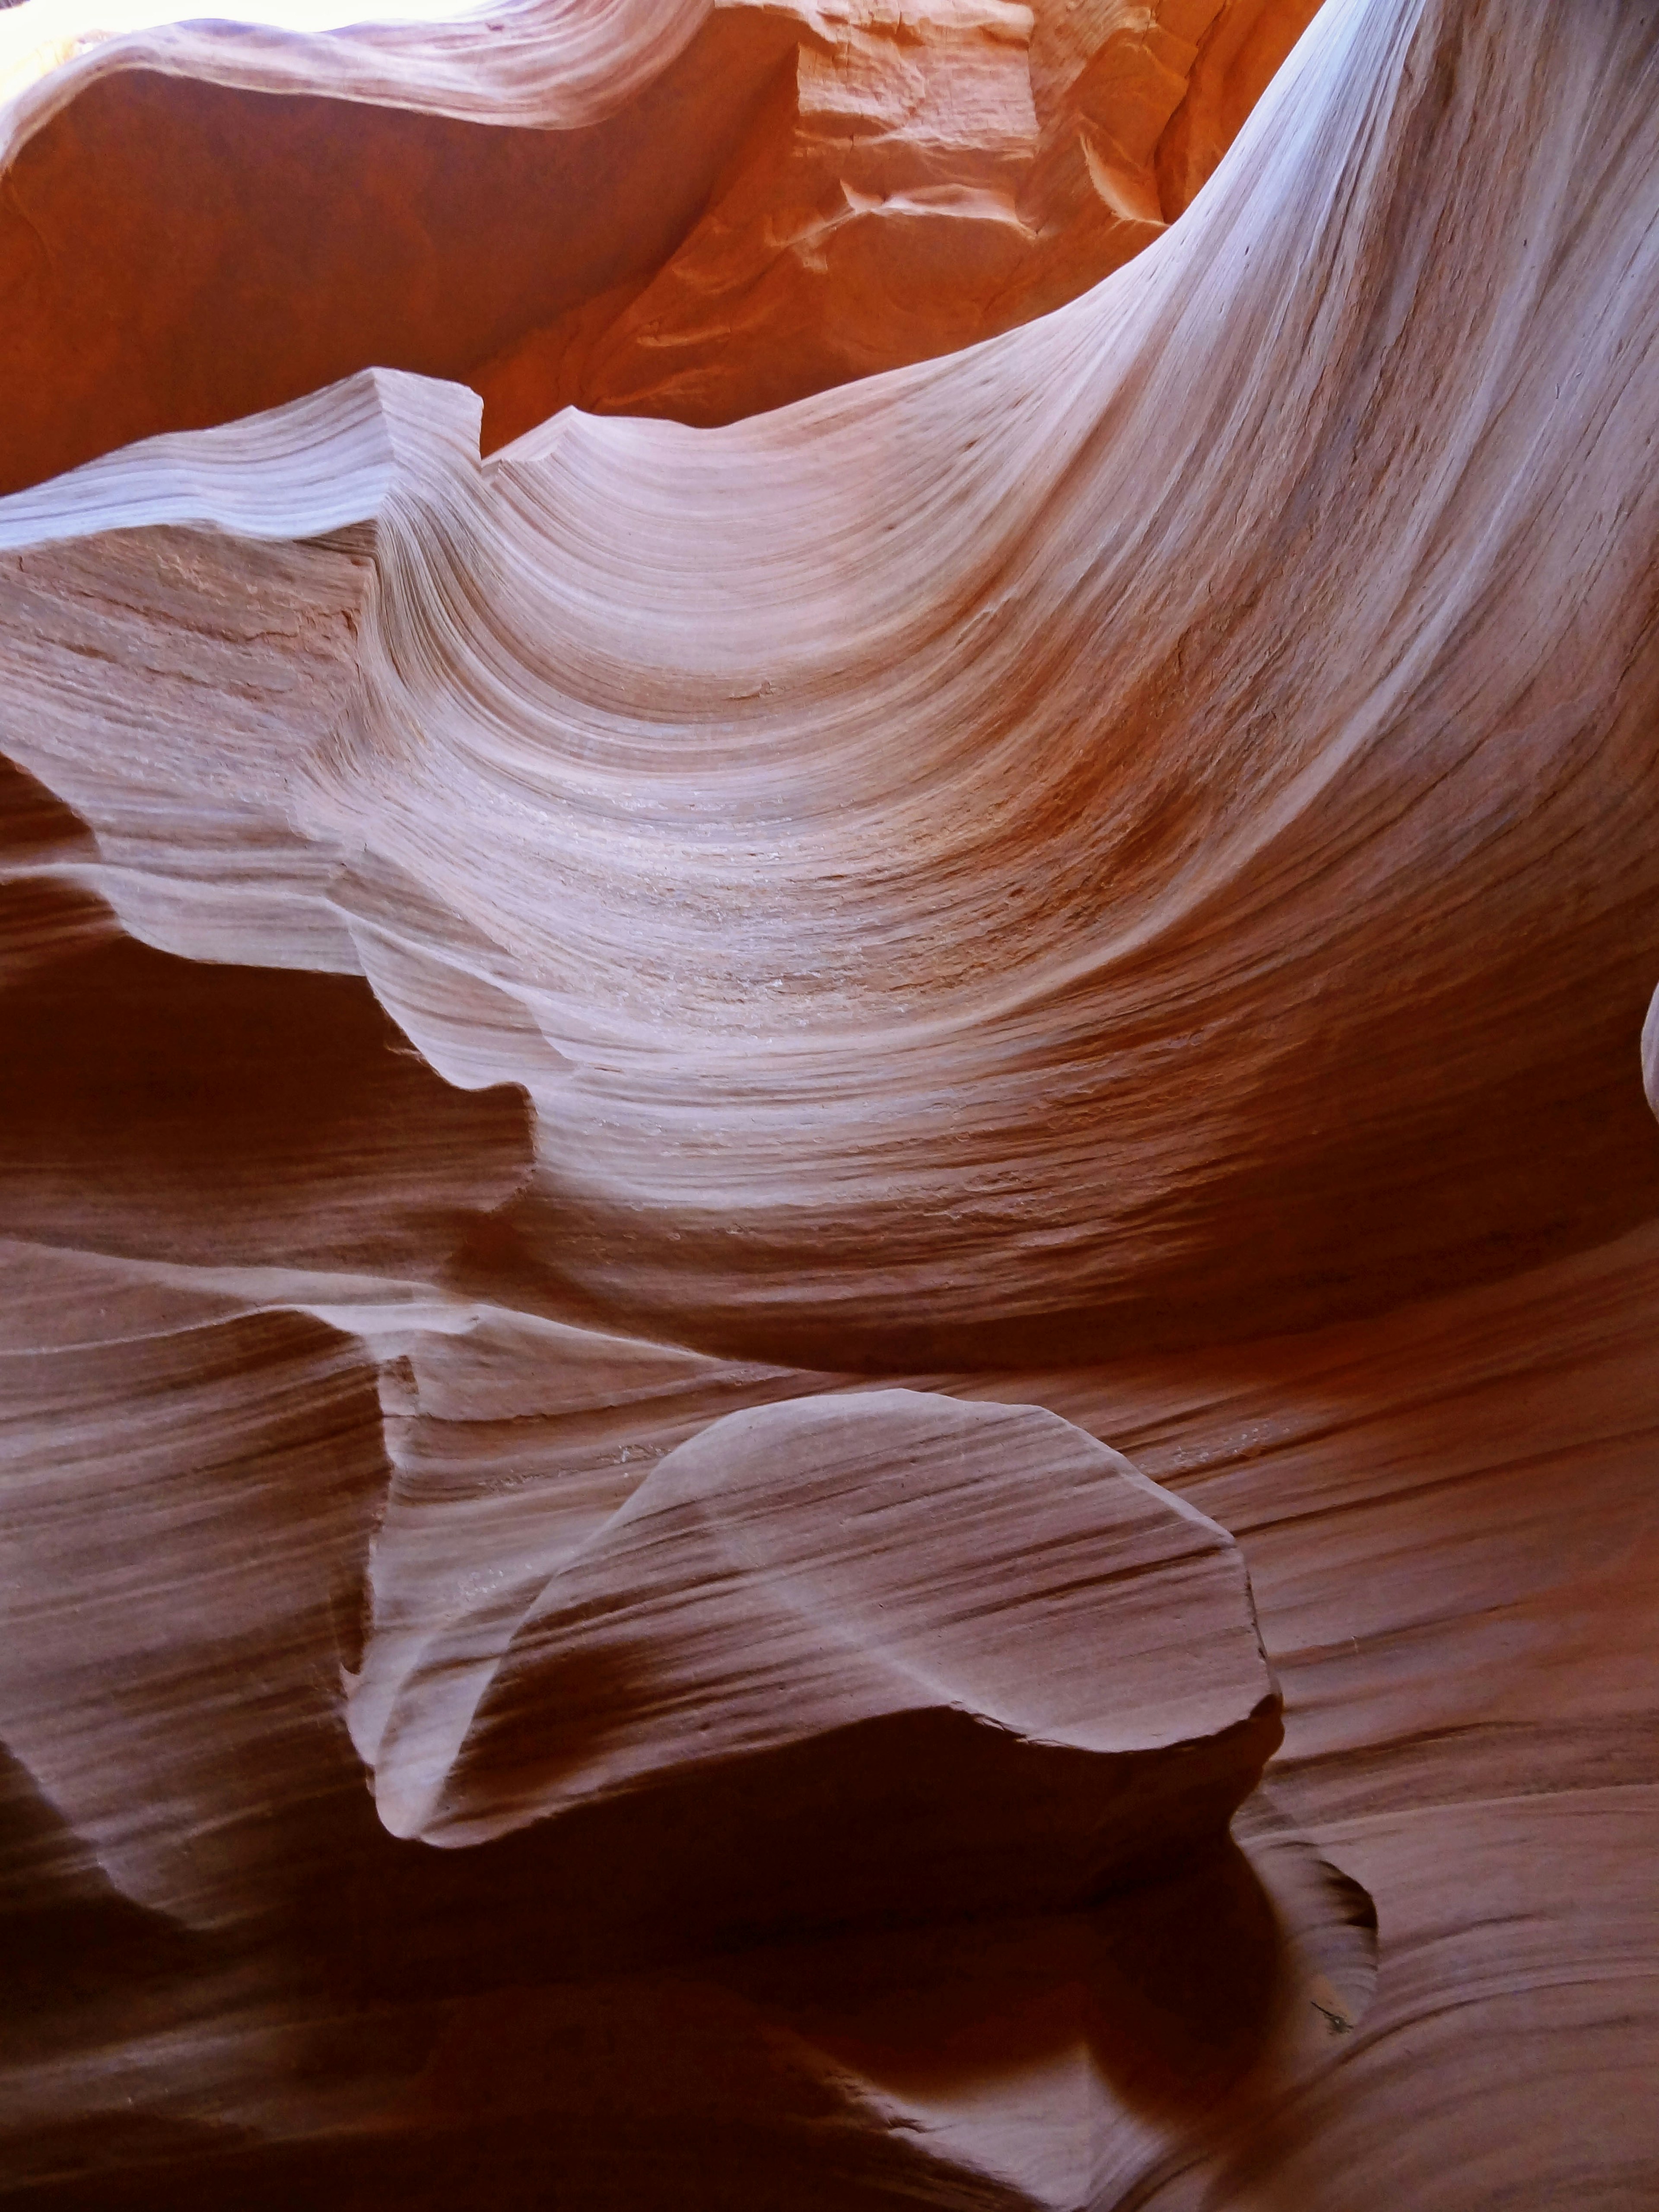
(634, 1052)
(736, 205)
(952, 1658)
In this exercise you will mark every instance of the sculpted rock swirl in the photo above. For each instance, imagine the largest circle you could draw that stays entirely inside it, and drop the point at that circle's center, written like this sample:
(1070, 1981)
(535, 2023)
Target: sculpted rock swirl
(769, 775)
(900, 845)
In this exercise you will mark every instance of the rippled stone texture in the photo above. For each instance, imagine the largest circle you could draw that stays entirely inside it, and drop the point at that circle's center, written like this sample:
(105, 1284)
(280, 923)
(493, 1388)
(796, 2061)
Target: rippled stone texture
(943, 1658)
(1111, 871)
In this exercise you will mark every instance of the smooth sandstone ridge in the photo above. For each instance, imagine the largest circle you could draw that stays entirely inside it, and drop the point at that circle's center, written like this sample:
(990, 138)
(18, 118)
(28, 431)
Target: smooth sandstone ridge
(1021, 1671)
(642, 1036)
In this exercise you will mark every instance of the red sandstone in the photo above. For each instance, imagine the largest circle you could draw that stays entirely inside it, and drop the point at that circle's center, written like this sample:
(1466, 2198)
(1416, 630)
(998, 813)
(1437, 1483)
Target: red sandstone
(768, 777)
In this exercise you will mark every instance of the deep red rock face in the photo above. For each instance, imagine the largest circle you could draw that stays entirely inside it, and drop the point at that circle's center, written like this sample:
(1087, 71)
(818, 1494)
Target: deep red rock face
(180, 253)
(785, 199)
(831, 1246)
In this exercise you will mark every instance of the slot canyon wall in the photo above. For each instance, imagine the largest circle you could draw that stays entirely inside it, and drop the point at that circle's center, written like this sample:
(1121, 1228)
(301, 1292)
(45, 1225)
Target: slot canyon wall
(828, 884)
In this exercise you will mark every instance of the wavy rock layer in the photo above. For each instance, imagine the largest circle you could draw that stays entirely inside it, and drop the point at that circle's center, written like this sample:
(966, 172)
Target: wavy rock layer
(1000, 857)
(1446, 1516)
(1008, 1671)
(1110, 872)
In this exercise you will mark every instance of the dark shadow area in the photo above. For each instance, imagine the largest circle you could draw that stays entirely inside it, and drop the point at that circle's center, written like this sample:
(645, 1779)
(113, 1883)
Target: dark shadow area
(535, 2163)
(914, 1818)
(71, 1947)
(34, 822)
(170, 1109)
(1172, 1984)
(732, 2082)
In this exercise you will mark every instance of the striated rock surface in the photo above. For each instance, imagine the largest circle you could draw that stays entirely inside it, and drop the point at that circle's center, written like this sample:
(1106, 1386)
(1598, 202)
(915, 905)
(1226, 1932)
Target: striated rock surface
(943, 1657)
(996, 857)
(635, 1052)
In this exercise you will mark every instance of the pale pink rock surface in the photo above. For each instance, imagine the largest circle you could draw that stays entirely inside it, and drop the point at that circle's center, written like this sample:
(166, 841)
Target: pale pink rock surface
(999, 856)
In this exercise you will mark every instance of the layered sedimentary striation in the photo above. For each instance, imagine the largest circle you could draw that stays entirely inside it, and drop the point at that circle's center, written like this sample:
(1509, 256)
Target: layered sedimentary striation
(638, 1048)
(952, 1658)
(999, 852)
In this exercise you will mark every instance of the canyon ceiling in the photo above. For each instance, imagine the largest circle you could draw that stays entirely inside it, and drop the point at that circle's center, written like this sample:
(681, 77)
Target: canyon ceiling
(828, 869)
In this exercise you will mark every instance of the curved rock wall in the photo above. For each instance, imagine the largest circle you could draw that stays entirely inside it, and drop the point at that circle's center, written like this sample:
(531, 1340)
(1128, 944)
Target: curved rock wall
(702, 212)
(636, 1053)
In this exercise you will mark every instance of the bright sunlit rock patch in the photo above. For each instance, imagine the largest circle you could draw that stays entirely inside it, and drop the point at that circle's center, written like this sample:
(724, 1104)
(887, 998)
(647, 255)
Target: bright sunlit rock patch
(40, 35)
